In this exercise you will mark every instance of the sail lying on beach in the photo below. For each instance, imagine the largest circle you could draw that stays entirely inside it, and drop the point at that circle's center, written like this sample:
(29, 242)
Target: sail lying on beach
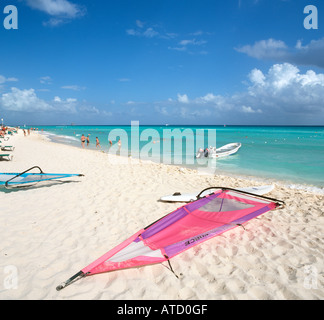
(26, 178)
(181, 229)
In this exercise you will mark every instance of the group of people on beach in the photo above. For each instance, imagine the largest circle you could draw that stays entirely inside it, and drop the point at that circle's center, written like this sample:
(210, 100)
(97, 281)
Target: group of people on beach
(7, 130)
(87, 139)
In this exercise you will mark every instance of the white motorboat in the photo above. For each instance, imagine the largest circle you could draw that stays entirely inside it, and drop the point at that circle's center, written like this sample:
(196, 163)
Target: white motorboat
(213, 152)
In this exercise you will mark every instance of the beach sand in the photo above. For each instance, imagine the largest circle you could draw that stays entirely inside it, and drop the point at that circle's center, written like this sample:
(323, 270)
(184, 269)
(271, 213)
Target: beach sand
(49, 233)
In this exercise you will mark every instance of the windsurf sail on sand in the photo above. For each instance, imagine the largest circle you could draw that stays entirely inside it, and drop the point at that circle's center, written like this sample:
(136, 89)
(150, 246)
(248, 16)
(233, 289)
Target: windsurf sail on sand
(26, 178)
(182, 229)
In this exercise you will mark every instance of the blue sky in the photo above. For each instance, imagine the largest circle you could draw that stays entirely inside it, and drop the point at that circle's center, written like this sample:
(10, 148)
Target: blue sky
(172, 61)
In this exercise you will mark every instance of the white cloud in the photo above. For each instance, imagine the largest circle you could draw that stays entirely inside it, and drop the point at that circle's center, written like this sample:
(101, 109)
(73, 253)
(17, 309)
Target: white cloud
(311, 54)
(132, 32)
(192, 45)
(265, 49)
(256, 76)
(183, 48)
(153, 31)
(183, 98)
(198, 33)
(148, 33)
(68, 105)
(185, 44)
(61, 11)
(140, 23)
(210, 98)
(73, 87)
(12, 79)
(271, 49)
(56, 7)
(286, 75)
(193, 42)
(162, 110)
(285, 90)
(283, 94)
(282, 75)
(3, 79)
(248, 109)
(45, 80)
(23, 100)
(26, 100)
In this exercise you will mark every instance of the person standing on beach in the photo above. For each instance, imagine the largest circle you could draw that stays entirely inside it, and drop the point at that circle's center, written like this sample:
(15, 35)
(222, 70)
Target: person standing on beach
(88, 139)
(82, 140)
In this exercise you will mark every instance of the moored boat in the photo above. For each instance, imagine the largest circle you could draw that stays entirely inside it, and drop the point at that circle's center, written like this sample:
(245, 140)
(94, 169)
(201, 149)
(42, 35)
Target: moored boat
(213, 152)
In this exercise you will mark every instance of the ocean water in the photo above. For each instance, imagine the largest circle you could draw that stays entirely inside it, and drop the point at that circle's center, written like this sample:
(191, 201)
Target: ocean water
(293, 154)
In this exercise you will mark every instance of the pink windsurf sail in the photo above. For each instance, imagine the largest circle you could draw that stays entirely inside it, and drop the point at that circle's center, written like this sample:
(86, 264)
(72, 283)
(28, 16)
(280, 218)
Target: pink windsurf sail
(181, 229)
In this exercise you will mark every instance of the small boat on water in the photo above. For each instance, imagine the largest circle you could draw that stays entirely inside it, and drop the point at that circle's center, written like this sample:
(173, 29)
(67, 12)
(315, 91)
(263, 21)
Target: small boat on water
(213, 152)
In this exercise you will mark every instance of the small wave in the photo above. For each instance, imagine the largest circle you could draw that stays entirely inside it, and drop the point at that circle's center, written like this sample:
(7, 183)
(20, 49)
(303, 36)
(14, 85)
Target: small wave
(53, 136)
(306, 188)
(69, 138)
(268, 180)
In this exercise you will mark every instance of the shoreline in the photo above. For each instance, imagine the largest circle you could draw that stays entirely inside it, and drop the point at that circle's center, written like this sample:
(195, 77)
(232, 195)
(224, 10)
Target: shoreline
(49, 233)
(253, 178)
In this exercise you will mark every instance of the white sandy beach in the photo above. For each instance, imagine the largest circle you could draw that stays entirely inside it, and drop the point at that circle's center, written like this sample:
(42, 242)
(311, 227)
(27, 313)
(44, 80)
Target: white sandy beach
(49, 233)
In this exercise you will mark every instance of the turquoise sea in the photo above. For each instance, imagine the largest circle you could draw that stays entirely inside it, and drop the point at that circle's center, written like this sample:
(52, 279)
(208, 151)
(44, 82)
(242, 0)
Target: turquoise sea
(293, 154)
